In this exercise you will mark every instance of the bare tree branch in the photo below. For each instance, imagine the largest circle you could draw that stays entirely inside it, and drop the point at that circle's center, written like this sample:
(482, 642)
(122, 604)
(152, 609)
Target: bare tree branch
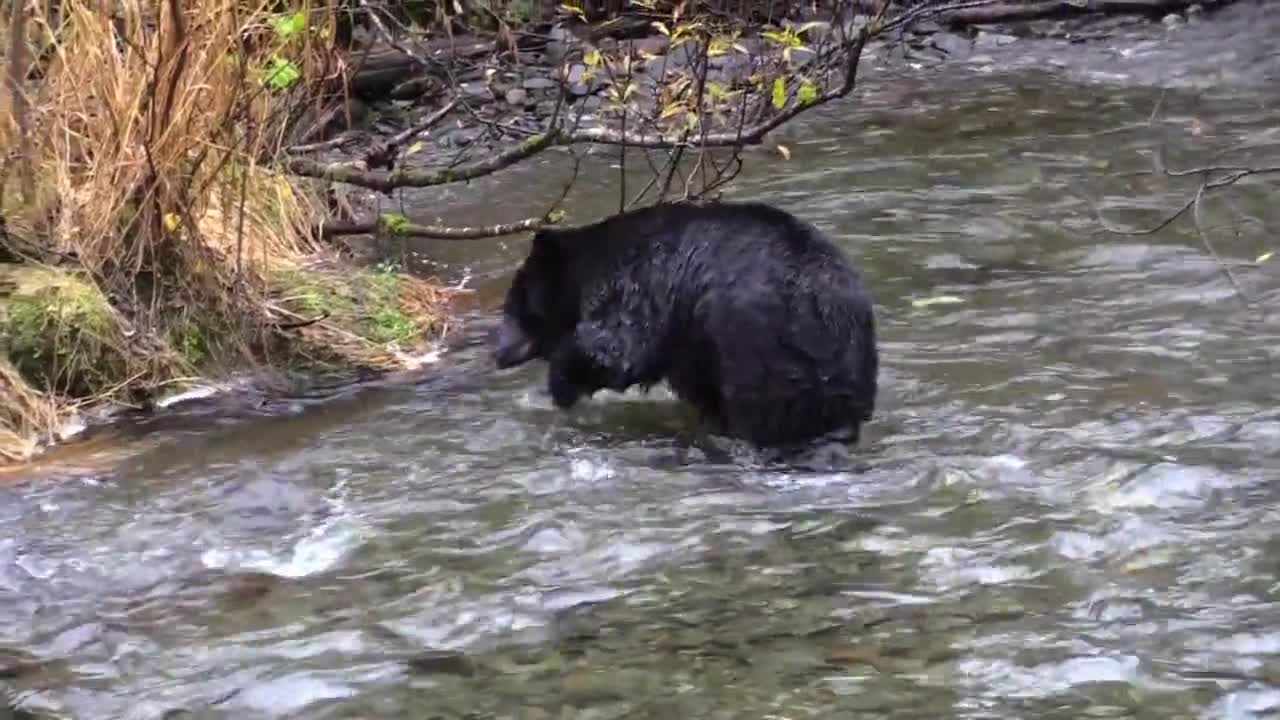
(387, 181)
(438, 232)
(1234, 175)
(1204, 239)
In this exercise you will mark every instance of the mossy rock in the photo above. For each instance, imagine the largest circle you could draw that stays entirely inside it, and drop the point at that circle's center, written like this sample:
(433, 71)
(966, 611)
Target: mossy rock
(59, 332)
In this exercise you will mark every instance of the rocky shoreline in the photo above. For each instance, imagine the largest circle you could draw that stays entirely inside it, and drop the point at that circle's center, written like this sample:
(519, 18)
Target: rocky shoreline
(394, 88)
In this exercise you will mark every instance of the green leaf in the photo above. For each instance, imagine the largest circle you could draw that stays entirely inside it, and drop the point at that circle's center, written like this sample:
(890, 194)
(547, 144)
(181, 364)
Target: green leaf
(808, 92)
(1265, 257)
(281, 72)
(779, 93)
(782, 37)
(555, 216)
(286, 26)
(394, 223)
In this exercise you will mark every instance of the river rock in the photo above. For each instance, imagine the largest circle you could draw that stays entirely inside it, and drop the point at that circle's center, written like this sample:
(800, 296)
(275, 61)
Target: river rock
(577, 80)
(926, 27)
(561, 40)
(462, 137)
(652, 45)
(517, 96)
(538, 83)
(953, 45)
(987, 40)
(443, 663)
(476, 91)
(731, 67)
(413, 88)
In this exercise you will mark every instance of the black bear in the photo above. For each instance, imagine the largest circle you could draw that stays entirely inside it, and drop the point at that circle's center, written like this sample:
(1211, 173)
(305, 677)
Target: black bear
(750, 314)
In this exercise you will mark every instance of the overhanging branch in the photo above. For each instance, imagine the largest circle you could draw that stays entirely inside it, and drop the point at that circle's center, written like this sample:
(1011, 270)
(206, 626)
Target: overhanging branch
(438, 232)
(353, 173)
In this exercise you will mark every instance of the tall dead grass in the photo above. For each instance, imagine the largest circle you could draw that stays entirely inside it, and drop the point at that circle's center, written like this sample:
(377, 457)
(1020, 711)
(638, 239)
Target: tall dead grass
(151, 127)
(24, 416)
(139, 149)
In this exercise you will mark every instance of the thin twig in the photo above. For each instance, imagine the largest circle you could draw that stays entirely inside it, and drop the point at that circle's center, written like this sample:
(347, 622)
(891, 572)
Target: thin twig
(387, 181)
(1204, 238)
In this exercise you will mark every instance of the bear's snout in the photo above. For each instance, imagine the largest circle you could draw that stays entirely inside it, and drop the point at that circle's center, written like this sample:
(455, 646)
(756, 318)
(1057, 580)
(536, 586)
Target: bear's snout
(514, 347)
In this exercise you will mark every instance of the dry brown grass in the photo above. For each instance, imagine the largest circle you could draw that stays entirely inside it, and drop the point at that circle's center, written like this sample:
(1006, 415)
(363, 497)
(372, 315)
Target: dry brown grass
(24, 415)
(151, 139)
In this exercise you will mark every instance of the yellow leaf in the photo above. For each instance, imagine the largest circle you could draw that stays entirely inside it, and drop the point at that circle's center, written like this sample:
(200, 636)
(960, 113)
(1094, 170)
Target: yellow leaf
(808, 92)
(784, 152)
(670, 110)
(171, 222)
(1265, 256)
(414, 148)
(572, 9)
(591, 58)
(937, 300)
(779, 93)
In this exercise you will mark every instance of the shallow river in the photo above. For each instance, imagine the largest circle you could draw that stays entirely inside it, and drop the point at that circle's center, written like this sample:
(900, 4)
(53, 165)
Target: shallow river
(1066, 505)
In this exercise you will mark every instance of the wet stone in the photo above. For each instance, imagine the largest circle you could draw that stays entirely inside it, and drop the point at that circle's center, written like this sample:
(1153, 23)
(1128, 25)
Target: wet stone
(577, 80)
(952, 45)
(443, 663)
(538, 83)
(988, 40)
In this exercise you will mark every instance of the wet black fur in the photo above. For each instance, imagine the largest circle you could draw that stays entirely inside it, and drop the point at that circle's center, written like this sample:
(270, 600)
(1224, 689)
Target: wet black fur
(748, 313)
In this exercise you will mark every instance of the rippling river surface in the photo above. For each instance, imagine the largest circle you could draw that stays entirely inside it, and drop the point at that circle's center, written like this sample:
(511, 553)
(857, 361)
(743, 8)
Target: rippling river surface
(1066, 507)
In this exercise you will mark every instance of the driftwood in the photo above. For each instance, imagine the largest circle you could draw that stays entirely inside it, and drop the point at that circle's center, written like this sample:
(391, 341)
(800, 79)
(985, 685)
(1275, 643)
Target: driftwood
(379, 69)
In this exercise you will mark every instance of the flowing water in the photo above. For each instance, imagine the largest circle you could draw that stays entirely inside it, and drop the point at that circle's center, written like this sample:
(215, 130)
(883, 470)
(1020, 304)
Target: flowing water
(1065, 507)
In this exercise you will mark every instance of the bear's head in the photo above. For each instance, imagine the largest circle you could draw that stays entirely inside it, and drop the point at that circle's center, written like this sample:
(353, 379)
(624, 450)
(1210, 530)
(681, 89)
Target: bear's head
(539, 310)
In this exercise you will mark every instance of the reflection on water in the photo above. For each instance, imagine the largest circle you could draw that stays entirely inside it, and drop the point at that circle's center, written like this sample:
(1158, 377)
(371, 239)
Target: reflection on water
(1065, 508)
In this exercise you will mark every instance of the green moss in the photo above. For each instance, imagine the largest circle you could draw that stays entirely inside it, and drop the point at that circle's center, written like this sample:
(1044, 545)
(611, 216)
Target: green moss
(357, 303)
(192, 341)
(311, 294)
(388, 321)
(57, 329)
(392, 325)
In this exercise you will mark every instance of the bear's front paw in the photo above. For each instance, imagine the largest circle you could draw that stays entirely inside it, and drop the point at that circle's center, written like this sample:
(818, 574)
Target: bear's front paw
(563, 393)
